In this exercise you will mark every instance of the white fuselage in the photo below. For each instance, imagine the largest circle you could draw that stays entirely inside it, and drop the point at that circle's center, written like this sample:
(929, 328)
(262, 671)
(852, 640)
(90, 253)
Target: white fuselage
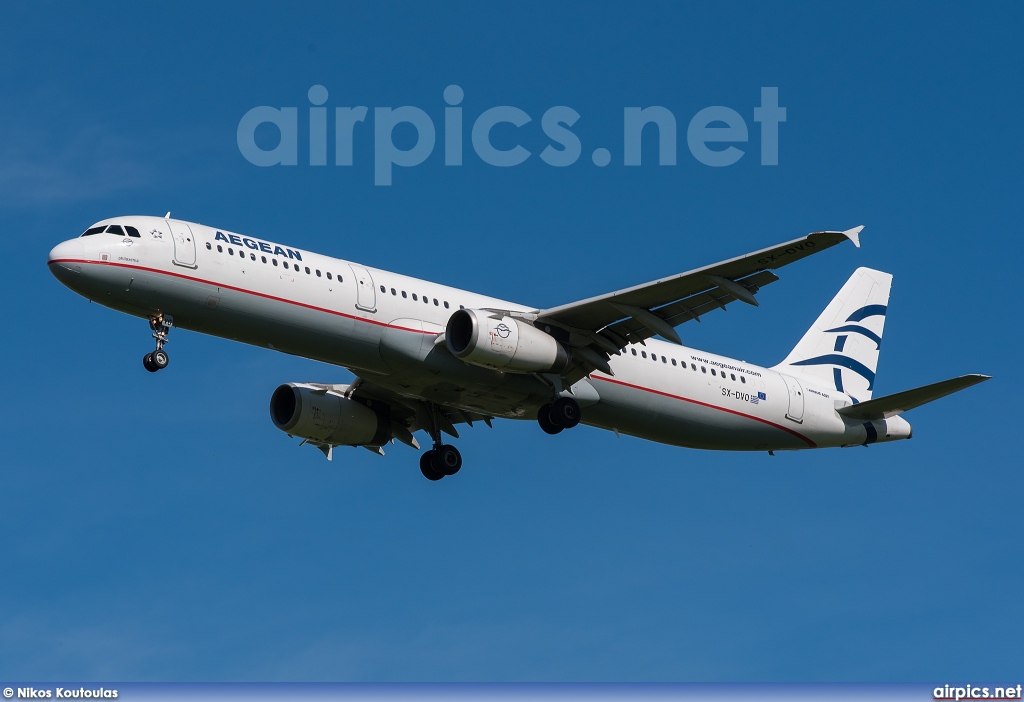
(384, 327)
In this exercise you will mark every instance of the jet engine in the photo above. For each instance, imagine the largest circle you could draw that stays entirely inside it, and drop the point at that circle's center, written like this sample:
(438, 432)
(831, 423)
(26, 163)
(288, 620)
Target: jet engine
(325, 416)
(494, 341)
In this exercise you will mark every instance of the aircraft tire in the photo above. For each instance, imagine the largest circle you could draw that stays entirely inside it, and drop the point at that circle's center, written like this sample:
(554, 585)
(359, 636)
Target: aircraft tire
(544, 419)
(446, 460)
(565, 413)
(427, 468)
(147, 363)
(159, 359)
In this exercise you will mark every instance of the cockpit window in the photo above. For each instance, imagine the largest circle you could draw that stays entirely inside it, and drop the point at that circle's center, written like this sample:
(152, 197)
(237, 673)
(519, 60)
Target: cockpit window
(132, 231)
(115, 229)
(93, 230)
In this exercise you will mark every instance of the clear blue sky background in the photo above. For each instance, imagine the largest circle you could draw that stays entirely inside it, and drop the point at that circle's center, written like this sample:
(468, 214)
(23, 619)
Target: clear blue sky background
(159, 527)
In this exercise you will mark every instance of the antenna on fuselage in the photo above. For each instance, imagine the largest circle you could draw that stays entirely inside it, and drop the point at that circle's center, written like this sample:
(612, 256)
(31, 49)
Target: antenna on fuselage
(168, 215)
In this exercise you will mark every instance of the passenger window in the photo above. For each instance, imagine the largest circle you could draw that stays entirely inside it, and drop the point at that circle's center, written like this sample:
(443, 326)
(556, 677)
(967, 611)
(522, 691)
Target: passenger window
(317, 272)
(673, 361)
(285, 264)
(403, 294)
(264, 258)
(115, 229)
(703, 369)
(436, 303)
(209, 246)
(241, 254)
(664, 360)
(220, 249)
(446, 304)
(634, 351)
(307, 270)
(713, 372)
(231, 251)
(251, 256)
(132, 231)
(426, 300)
(93, 230)
(328, 275)
(274, 261)
(743, 380)
(644, 354)
(383, 289)
(693, 366)
(393, 291)
(732, 376)
(415, 298)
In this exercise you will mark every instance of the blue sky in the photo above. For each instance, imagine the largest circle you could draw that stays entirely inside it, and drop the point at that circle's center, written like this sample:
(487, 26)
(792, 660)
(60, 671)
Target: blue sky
(158, 527)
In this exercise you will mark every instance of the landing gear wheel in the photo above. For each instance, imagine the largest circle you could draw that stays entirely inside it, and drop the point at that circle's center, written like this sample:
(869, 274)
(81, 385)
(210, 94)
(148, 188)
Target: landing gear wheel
(544, 419)
(159, 359)
(427, 468)
(565, 412)
(446, 459)
(147, 363)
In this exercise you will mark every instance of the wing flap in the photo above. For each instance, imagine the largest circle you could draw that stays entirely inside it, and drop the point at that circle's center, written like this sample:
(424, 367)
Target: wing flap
(690, 308)
(898, 403)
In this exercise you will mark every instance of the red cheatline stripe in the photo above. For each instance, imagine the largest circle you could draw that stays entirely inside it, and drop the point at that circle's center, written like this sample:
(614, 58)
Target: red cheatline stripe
(800, 436)
(241, 290)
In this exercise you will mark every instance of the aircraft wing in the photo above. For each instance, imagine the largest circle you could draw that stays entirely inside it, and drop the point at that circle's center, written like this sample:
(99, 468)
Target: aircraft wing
(601, 326)
(407, 415)
(900, 402)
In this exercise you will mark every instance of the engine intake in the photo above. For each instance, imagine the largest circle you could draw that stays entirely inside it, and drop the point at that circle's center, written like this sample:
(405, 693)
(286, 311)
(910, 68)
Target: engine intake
(308, 412)
(504, 343)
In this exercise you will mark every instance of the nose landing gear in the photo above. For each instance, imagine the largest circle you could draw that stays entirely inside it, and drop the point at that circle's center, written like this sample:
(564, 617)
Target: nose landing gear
(161, 325)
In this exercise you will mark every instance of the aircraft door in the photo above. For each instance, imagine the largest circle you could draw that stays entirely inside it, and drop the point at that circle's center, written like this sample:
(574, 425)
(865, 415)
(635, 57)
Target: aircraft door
(366, 296)
(184, 244)
(796, 399)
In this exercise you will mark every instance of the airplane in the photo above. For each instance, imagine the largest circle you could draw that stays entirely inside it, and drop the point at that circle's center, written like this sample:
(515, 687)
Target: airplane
(428, 357)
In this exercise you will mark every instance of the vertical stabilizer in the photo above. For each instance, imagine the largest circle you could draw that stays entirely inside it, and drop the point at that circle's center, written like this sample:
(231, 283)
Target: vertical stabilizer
(841, 349)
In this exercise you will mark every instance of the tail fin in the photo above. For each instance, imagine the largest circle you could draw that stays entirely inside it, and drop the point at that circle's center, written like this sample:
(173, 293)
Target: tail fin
(841, 348)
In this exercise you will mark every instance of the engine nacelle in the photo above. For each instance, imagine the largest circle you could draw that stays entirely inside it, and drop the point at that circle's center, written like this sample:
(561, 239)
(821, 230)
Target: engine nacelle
(308, 412)
(504, 343)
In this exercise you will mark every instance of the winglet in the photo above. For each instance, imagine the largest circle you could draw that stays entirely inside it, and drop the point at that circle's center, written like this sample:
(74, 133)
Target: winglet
(854, 235)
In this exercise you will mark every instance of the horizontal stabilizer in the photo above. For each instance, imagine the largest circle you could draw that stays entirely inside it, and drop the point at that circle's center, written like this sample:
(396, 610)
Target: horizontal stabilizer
(891, 405)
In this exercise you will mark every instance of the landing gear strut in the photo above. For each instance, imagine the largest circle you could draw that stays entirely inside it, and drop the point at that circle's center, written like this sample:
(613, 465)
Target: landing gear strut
(442, 460)
(563, 413)
(158, 360)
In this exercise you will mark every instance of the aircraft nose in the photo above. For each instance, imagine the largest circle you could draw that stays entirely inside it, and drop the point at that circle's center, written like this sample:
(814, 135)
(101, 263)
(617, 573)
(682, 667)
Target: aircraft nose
(65, 251)
(65, 259)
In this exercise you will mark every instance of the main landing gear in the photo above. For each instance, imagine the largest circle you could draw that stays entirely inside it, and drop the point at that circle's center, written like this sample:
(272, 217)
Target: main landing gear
(158, 360)
(443, 459)
(563, 413)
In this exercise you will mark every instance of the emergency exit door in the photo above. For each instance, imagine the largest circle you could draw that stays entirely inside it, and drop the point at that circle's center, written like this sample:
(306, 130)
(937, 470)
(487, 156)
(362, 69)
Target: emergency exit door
(366, 296)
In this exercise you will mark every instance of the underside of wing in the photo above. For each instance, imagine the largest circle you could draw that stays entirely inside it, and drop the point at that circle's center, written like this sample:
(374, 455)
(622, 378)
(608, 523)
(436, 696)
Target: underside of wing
(408, 415)
(602, 326)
